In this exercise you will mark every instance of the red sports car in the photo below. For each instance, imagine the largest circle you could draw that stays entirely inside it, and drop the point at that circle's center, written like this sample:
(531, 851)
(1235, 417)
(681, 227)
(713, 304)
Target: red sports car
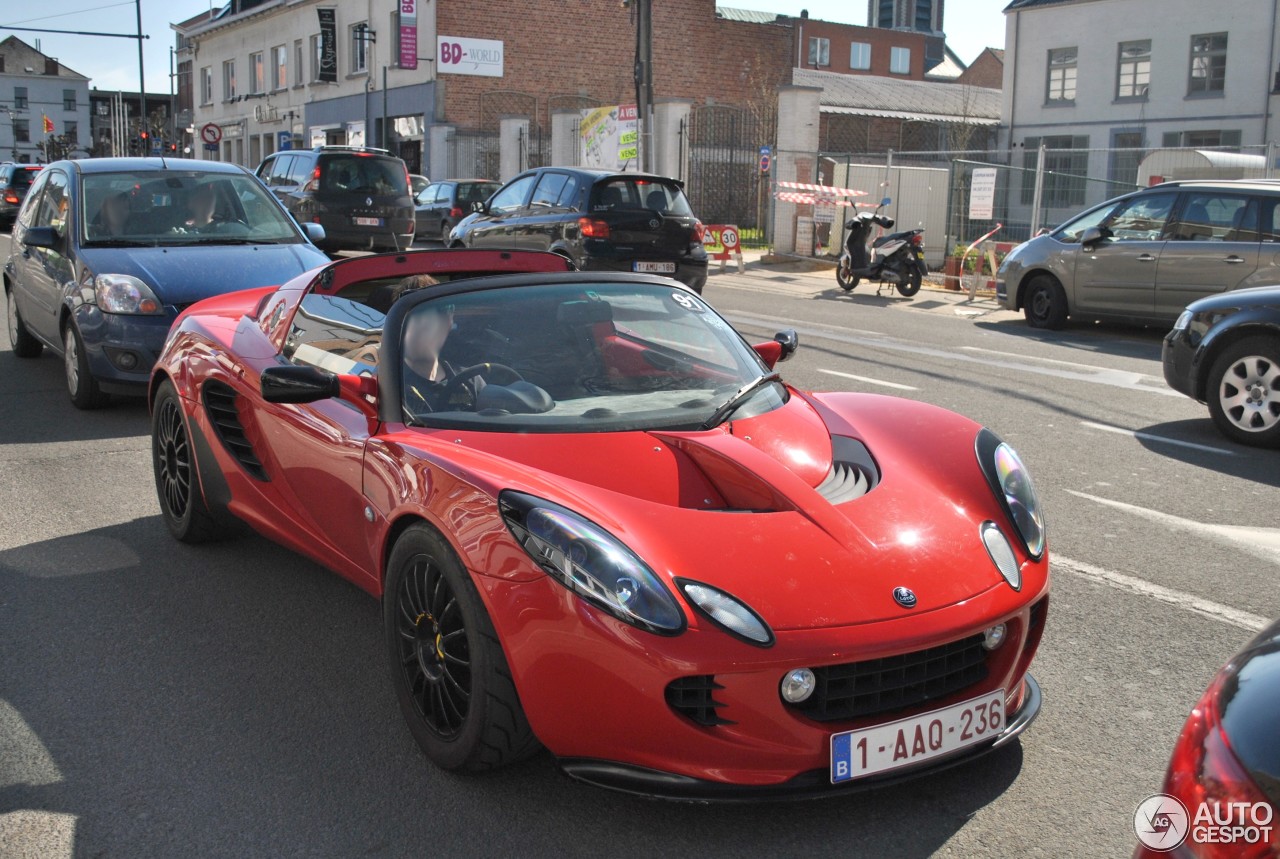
(600, 522)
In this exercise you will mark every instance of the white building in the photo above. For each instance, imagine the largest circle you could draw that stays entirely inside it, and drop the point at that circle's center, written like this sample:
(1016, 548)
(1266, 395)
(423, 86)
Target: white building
(1134, 75)
(258, 70)
(32, 87)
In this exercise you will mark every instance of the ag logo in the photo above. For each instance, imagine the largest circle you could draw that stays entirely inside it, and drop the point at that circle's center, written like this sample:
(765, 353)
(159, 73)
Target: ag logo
(1160, 822)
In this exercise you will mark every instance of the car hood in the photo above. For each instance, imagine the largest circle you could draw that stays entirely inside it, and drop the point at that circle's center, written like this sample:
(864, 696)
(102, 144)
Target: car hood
(739, 507)
(182, 275)
(1238, 299)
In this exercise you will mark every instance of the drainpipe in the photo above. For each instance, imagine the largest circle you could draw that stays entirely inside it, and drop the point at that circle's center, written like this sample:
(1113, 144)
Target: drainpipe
(1013, 84)
(1266, 104)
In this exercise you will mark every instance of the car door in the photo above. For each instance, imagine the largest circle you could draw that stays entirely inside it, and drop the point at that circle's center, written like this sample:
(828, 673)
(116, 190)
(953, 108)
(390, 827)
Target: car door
(1117, 275)
(1213, 245)
(495, 228)
(46, 270)
(544, 222)
(20, 261)
(318, 447)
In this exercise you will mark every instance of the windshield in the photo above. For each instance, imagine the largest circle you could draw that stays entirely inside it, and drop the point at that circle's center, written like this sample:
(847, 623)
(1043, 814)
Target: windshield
(177, 207)
(23, 177)
(624, 193)
(470, 193)
(360, 173)
(575, 358)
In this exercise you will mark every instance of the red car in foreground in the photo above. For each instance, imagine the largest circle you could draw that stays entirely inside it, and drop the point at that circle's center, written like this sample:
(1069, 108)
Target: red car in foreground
(599, 522)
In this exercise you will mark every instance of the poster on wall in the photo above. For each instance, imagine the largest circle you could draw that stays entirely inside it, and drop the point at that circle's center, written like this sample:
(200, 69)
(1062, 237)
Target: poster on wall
(328, 44)
(408, 34)
(982, 194)
(608, 138)
(458, 56)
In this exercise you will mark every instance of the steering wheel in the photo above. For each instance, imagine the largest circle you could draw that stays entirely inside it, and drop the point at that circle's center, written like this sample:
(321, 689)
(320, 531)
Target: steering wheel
(482, 370)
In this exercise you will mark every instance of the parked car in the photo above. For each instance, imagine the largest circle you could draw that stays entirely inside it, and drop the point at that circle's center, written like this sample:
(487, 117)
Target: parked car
(106, 252)
(1225, 351)
(602, 220)
(358, 194)
(443, 204)
(417, 183)
(1145, 256)
(15, 179)
(1222, 790)
(599, 522)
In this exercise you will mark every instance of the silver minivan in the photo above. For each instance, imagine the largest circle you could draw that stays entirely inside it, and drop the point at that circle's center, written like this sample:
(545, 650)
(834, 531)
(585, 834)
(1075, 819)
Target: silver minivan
(1145, 256)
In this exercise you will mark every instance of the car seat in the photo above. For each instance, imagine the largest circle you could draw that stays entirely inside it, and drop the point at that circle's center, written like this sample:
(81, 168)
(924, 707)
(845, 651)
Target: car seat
(610, 197)
(656, 200)
(1195, 225)
(1238, 233)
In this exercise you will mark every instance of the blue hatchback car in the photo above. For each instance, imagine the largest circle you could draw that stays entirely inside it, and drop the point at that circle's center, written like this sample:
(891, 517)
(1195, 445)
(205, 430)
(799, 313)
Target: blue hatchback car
(107, 252)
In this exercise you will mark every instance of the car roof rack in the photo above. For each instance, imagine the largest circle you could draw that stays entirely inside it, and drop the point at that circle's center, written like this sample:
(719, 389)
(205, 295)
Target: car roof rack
(333, 147)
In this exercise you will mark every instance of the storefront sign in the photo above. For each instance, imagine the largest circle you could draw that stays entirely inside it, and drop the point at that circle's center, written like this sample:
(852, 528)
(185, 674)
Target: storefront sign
(328, 44)
(408, 34)
(458, 56)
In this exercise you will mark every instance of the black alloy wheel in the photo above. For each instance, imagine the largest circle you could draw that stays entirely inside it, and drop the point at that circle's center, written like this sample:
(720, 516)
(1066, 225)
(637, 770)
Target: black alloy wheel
(182, 504)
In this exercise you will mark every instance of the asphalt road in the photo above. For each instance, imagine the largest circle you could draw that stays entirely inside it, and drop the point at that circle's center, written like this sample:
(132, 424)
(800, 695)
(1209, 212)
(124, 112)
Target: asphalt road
(231, 700)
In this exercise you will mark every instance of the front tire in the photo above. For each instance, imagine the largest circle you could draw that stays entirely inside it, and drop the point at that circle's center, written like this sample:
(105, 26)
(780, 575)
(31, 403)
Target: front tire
(173, 460)
(1046, 303)
(20, 339)
(81, 386)
(1243, 392)
(845, 276)
(450, 674)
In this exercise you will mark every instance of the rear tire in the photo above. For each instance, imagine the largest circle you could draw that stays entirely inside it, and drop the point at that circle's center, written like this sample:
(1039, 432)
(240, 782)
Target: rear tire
(1045, 305)
(912, 286)
(1243, 391)
(448, 669)
(444, 232)
(81, 386)
(24, 345)
(173, 460)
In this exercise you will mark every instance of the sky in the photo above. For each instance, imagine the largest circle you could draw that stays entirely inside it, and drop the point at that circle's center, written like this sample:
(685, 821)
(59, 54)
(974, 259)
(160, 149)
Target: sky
(111, 63)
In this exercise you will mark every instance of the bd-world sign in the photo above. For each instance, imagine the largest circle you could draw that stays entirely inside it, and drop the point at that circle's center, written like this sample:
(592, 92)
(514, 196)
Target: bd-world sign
(458, 56)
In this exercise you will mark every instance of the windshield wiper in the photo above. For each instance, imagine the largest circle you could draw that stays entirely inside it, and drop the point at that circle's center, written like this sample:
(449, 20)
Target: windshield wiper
(225, 240)
(119, 243)
(739, 397)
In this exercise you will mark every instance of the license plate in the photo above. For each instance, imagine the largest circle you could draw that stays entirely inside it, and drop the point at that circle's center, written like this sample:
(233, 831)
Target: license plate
(368, 222)
(857, 754)
(920, 255)
(654, 267)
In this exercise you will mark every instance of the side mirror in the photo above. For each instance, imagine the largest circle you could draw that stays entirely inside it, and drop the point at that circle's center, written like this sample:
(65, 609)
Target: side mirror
(298, 384)
(42, 237)
(886, 201)
(1092, 236)
(789, 340)
(314, 232)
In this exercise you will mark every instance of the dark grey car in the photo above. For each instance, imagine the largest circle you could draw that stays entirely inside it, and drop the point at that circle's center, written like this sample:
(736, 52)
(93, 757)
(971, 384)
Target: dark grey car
(1145, 256)
(442, 204)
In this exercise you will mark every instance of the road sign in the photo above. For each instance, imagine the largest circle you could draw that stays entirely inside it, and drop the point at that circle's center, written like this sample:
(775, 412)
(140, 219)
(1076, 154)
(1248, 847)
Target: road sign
(766, 159)
(211, 147)
(210, 133)
(284, 140)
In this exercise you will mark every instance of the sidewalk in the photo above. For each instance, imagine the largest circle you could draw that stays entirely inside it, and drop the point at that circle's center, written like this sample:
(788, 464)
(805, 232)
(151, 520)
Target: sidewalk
(815, 278)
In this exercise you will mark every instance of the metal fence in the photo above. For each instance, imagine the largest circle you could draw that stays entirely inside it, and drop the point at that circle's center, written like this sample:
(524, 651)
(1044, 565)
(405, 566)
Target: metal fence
(473, 153)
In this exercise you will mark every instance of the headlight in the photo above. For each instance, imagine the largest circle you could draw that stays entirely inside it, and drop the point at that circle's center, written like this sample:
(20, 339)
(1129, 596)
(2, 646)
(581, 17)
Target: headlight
(1012, 484)
(727, 612)
(589, 561)
(1184, 319)
(122, 293)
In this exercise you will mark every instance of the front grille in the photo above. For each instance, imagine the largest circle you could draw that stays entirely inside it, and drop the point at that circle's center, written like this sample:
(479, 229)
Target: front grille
(220, 403)
(694, 698)
(860, 689)
(1037, 613)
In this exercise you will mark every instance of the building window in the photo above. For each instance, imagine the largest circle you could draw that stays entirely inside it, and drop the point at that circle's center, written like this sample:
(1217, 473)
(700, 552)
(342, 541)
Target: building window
(1133, 75)
(71, 129)
(21, 131)
(229, 80)
(257, 73)
(68, 99)
(900, 61)
(206, 85)
(280, 67)
(19, 98)
(297, 63)
(860, 56)
(1061, 87)
(360, 36)
(819, 51)
(1208, 64)
(317, 49)
(1214, 139)
(1126, 154)
(1066, 164)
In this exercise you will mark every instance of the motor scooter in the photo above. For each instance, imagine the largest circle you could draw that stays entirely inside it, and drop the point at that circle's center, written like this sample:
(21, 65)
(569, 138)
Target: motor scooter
(896, 258)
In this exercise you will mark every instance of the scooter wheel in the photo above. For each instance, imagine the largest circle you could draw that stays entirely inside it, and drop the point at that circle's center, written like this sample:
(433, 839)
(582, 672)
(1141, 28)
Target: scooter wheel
(912, 285)
(847, 281)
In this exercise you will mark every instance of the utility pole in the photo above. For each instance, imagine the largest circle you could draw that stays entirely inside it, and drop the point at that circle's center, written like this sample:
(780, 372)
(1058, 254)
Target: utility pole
(644, 81)
(142, 78)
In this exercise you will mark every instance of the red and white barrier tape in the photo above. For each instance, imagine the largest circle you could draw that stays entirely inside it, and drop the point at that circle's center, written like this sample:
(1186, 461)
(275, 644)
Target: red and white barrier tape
(822, 189)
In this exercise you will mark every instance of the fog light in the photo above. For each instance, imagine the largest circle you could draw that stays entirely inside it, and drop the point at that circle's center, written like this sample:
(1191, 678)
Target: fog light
(798, 685)
(994, 637)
